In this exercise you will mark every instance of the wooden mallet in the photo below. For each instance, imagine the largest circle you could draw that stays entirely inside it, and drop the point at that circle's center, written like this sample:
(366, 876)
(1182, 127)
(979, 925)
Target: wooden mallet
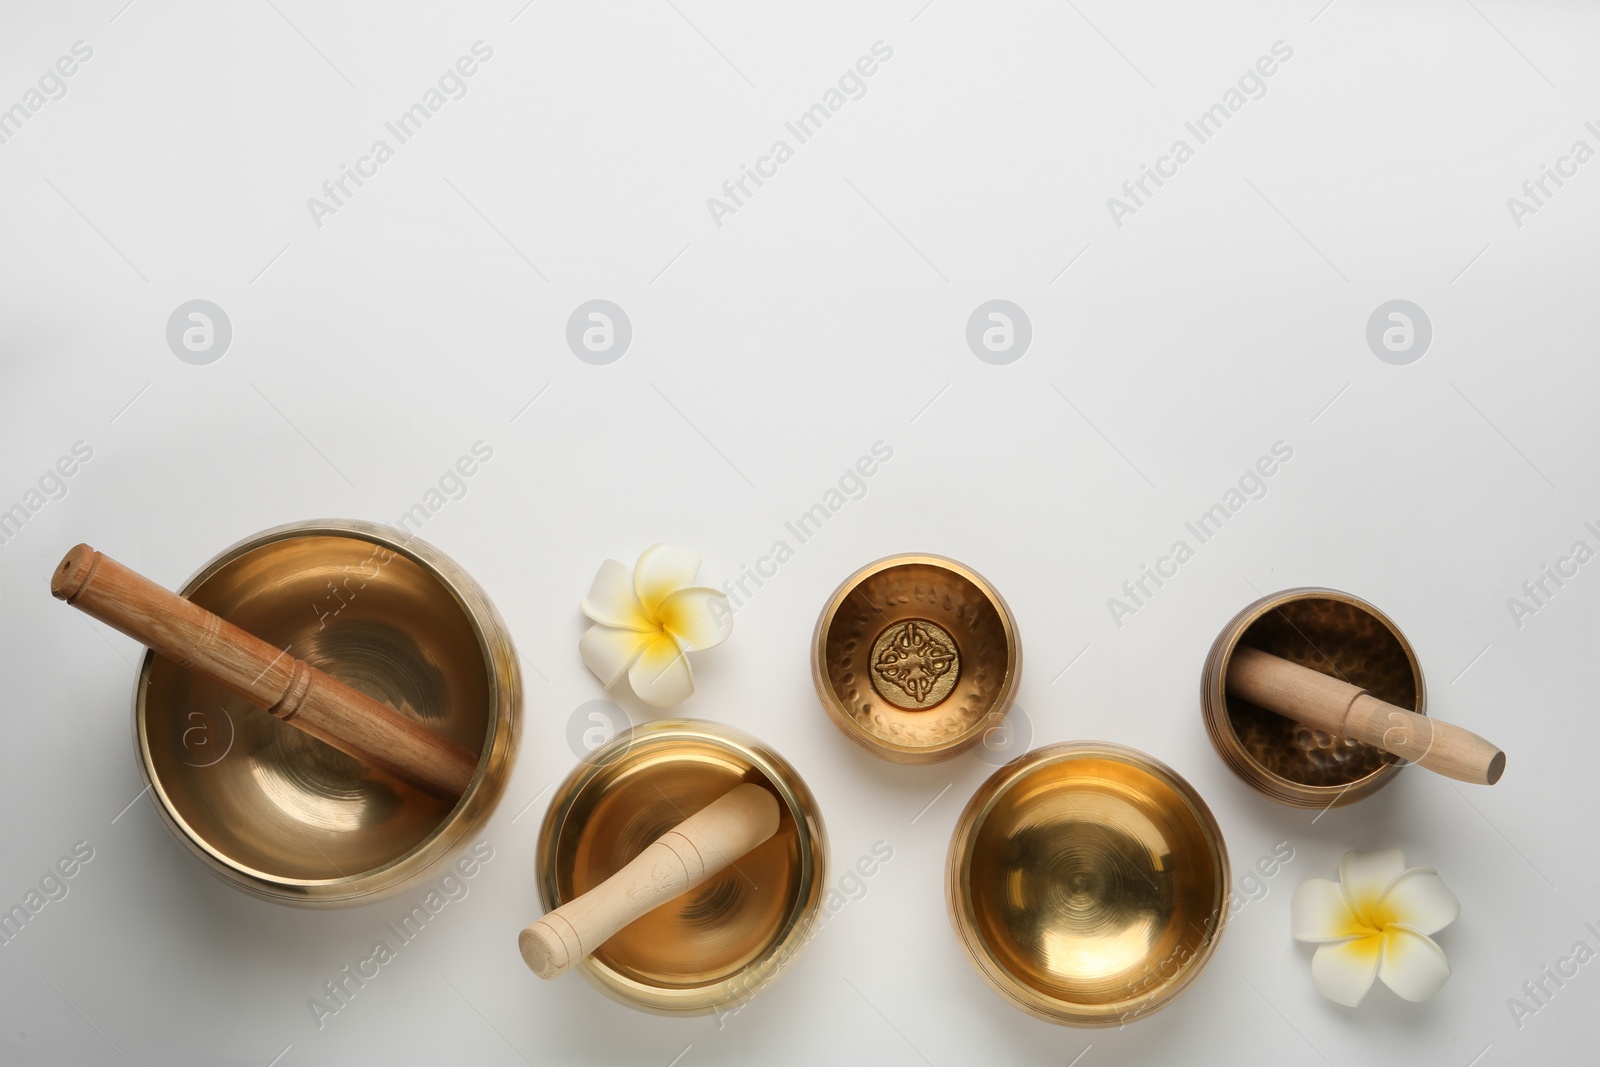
(268, 677)
(1345, 710)
(679, 860)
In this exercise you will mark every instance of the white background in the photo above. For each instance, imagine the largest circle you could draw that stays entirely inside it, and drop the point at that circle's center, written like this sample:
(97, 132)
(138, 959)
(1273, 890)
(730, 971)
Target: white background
(769, 354)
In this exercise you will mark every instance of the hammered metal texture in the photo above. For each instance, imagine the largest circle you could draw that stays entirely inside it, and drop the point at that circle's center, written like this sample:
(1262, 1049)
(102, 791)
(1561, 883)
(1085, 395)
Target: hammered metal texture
(870, 608)
(1339, 640)
(1338, 635)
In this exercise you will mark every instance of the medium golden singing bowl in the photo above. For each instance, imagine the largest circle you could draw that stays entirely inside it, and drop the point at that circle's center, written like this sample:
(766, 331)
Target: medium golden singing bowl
(915, 658)
(280, 814)
(1331, 632)
(724, 940)
(1088, 883)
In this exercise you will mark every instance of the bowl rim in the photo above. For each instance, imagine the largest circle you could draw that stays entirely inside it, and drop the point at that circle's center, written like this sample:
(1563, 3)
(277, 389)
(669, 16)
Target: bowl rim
(801, 922)
(963, 917)
(471, 811)
(890, 750)
(1219, 724)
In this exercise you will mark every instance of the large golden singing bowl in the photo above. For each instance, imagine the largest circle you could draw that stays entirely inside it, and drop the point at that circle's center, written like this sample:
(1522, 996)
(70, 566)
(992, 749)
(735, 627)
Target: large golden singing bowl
(280, 814)
(723, 941)
(1331, 632)
(1088, 883)
(915, 658)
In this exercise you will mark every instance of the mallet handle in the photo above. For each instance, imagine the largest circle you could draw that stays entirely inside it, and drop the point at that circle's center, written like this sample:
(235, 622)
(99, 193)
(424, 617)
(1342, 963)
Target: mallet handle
(1345, 710)
(676, 862)
(267, 677)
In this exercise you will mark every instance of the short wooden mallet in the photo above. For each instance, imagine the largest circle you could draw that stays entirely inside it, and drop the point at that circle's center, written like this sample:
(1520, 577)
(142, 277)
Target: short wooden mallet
(703, 845)
(1346, 710)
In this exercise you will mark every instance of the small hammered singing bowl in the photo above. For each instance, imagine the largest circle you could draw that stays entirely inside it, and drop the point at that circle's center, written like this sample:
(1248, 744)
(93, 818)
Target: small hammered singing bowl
(281, 815)
(723, 941)
(915, 658)
(1332, 632)
(1087, 883)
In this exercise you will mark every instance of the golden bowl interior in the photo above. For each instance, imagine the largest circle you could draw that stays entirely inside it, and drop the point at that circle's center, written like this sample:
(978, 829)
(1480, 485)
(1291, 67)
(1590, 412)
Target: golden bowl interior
(915, 657)
(1336, 634)
(689, 954)
(1088, 883)
(275, 810)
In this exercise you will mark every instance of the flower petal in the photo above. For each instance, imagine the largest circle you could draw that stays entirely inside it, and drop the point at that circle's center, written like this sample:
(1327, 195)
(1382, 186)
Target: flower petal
(608, 651)
(661, 571)
(1344, 972)
(1419, 899)
(611, 600)
(699, 617)
(1365, 875)
(1413, 964)
(661, 674)
(1319, 913)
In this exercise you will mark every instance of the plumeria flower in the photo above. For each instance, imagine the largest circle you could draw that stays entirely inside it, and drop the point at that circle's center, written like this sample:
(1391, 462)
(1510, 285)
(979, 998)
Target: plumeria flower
(1375, 922)
(648, 620)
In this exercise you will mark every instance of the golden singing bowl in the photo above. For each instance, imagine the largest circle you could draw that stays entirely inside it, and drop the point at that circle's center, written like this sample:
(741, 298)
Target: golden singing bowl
(1088, 883)
(1331, 632)
(724, 940)
(280, 814)
(915, 658)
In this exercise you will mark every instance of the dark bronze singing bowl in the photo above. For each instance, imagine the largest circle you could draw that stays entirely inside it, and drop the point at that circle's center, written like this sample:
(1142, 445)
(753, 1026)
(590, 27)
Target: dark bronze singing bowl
(1088, 883)
(1332, 632)
(280, 814)
(724, 940)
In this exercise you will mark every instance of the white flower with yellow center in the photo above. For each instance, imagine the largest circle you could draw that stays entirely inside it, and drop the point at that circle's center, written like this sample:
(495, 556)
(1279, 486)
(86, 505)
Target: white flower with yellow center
(648, 620)
(1374, 923)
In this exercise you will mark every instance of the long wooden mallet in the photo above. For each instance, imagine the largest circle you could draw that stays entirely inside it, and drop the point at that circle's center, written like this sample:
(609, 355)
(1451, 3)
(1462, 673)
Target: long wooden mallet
(291, 689)
(1345, 710)
(679, 860)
